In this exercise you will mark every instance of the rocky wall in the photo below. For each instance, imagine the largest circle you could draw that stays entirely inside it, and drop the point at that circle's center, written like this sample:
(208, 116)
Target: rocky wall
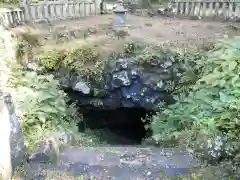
(126, 84)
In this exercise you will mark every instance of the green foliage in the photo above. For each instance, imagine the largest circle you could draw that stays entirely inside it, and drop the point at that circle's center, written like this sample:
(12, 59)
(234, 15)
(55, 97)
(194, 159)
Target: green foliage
(42, 105)
(207, 120)
(9, 4)
(51, 60)
(147, 55)
(85, 61)
(207, 173)
(24, 46)
(184, 63)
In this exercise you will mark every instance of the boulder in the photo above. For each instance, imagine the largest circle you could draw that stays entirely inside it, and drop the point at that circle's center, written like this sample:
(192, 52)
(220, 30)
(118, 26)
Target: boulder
(48, 149)
(137, 86)
(165, 11)
(13, 151)
(71, 80)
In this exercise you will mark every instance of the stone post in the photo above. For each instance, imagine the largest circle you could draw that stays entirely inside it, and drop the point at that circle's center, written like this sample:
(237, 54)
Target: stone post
(5, 155)
(97, 6)
(27, 12)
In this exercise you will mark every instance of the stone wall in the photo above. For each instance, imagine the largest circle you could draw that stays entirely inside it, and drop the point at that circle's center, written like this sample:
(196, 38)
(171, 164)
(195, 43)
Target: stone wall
(13, 151)
(7, 44)
(5, 155)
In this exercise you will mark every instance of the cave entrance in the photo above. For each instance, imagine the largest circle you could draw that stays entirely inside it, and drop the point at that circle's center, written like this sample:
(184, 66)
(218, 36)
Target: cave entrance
(122, 126)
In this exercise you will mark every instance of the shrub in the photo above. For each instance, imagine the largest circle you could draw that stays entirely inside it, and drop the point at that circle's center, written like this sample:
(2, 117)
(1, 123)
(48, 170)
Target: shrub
(183, 62)
(51, 60)
(85, 61)
(24, 47)
(206, 121)
(41, 104)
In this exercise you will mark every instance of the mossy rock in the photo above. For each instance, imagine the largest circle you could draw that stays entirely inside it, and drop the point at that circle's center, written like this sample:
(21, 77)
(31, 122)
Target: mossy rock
(84, 60)
(88, 59)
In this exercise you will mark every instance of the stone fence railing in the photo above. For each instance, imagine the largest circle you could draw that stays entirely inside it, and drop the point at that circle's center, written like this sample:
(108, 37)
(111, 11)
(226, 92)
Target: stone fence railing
(59, 9)
(11, 17)
(48, 11)
(223, 9)
(211, 9)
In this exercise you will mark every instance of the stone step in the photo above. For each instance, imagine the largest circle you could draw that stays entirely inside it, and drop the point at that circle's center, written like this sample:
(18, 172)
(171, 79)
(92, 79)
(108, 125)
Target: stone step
(117, 162)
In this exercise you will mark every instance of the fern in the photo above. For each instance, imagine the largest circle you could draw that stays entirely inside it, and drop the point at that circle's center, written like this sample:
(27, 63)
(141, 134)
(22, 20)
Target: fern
(211, 107)
(41, 104)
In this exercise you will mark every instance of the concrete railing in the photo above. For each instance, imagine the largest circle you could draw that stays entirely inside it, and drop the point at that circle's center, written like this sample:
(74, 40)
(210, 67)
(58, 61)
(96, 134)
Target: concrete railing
(48, 11)
(11, 17)
(223, 9)
(59, 9)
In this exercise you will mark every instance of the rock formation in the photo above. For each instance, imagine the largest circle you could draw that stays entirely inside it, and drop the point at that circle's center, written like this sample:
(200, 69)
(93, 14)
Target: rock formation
(126, 84)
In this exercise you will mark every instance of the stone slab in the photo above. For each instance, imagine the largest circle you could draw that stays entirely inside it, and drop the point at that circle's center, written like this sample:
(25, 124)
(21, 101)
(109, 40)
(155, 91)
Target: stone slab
(121, 162)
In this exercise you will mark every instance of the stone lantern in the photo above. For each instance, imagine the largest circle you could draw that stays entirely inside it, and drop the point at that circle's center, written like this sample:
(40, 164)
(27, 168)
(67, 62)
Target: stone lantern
(120, 14)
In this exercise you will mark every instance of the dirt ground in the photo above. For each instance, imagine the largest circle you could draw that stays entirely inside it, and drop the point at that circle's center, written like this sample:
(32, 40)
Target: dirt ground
(158, 31)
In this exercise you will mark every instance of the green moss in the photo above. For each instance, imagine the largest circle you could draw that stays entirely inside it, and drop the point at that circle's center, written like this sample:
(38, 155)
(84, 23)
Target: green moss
(147, 55)
(88, 62)
(85, 61)
(51, 60)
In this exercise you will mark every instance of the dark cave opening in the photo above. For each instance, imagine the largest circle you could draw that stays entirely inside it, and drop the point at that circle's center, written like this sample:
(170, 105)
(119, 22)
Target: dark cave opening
(123, 126)
(120, 126)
